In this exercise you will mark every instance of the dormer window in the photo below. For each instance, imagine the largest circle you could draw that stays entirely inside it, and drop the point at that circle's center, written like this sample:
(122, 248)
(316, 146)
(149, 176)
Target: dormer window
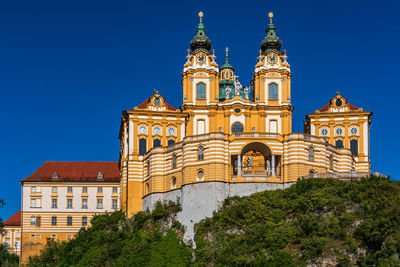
(100, 176)
(55, 175)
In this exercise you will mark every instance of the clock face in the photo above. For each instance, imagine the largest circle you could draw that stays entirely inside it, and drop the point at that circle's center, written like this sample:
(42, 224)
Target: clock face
(201, 59)
(272, 59)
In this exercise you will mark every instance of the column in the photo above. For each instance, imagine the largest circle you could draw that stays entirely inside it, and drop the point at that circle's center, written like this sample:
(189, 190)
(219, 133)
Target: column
(279, 165)
(239, 165)
(273, 165)
(130, 138)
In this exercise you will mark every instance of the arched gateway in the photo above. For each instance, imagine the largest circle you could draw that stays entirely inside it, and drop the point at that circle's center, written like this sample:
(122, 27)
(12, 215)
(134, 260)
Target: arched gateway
(256, 159)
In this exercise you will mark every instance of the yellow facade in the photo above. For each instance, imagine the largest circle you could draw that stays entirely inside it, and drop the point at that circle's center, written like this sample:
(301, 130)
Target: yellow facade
(12, 238)
(225, 134)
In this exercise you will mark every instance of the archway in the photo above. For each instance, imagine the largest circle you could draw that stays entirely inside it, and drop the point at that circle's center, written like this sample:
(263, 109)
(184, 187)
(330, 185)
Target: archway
(256, 159)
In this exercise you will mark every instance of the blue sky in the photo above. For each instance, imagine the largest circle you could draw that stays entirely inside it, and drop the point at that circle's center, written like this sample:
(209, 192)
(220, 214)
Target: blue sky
(69, 68)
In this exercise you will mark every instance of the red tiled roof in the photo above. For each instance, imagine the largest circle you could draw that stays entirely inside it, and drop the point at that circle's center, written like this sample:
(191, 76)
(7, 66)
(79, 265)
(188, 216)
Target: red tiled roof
(144, 105)
(14, 220)
(75, 171)
(325, 108)
(352, 107)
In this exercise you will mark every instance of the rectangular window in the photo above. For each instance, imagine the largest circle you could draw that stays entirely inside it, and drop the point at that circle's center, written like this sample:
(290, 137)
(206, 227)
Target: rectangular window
(54, 203)
(114, 204)
(38, 221)
(115, 190)
(33, 189)
(84, 189)
(99, 189)
(54, 189)
(69, 189)
(200, 127)
(69, 203)
(17, 234)
(53, 236)
(84, 221)
(33, 203)
(53, 220)
(69, 221)
(201, 91)
(84, 203)
(273, 126)
(99, 203)
(354, 147)
(142, 146)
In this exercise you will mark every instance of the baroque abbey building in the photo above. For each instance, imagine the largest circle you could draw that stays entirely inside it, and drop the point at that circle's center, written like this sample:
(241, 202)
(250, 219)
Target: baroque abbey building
(225, 140)
(228, 140)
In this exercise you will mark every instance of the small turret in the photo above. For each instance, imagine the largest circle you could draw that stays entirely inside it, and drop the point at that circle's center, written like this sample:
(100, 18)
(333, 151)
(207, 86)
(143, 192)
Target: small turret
(271, 41)
(227, 78)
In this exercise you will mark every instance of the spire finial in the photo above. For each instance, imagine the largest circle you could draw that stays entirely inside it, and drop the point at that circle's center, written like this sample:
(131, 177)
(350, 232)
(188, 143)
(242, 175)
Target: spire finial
(201, 16)
(226, 53)
(155, 91)
(270, 15)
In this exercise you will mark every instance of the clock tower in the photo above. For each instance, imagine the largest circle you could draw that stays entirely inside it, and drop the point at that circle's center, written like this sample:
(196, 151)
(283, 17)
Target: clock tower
(271, 81)
(200, 72)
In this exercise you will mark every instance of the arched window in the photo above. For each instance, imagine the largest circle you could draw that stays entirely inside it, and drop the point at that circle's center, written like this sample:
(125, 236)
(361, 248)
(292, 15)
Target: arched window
(339, 143)
(142, 146)
(237, 127)
(330, 162)
(171, 142)
(354, 147)
(156, 142)
(200, 153)
(311, 154)
(201, 91)
(173, 181)
(273, 91)
(173, 161)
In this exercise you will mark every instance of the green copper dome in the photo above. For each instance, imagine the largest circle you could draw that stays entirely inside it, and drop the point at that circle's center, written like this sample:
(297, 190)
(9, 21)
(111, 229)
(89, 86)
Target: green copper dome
(226, 65)
(200, 41)
(271, 41)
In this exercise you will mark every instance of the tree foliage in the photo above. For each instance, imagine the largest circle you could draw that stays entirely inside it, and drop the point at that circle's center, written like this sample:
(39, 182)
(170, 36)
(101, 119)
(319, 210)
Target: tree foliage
(148, 239)
(315, 221)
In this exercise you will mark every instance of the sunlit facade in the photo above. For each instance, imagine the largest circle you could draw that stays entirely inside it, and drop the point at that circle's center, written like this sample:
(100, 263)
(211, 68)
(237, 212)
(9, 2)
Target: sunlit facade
(225, 132)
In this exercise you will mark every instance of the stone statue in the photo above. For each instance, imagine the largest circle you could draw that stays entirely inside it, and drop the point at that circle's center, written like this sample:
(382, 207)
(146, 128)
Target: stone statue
(228, 91)
(246, 93)
(237, 85)
(268, 167)
(250, 161)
